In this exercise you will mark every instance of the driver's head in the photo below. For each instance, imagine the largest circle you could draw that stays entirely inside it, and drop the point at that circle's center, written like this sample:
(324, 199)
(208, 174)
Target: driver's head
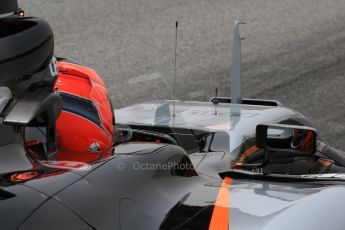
(85, 125)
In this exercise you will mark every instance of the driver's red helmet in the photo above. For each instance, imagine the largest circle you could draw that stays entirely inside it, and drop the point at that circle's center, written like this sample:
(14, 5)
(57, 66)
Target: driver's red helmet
(85, 127)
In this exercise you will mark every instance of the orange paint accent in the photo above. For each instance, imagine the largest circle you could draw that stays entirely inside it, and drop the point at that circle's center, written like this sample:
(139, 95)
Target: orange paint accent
(325, 163)
(248, 152)
(220, 215)
(237, 165)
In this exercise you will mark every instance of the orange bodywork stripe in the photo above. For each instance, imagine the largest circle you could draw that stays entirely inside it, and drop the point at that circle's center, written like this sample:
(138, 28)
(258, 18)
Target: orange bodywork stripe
(248, 152)
(325, 164)
(220, 215)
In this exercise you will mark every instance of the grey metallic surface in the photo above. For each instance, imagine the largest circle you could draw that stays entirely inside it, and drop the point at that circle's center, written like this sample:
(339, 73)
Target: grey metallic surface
(50, 185)
(203, 115)
(11, 137)
(13, 158)
(269, 206)
(5, 96)
(106, 193)
(239, 120)
(25, 198)
(293, 52)
(59, 217)
(236, 67)
(125, 192)
(114, 192)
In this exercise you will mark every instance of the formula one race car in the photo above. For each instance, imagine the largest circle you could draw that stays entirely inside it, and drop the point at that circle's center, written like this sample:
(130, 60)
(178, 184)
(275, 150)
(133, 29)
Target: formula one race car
(230, 163)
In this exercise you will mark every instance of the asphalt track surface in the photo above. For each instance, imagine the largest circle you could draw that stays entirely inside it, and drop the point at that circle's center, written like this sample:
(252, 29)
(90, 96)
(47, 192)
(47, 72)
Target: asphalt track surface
(293, 52)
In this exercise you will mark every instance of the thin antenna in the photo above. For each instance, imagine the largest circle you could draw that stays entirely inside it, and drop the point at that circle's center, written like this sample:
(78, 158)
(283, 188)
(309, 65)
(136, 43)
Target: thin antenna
(236, 78)
(174, 86)
(215, 102)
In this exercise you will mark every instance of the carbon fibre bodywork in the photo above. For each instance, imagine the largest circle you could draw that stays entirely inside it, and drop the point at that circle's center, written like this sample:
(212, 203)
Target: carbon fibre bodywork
(231, 126)
(8, 6)
(150, 186)
(173, 171)
(114, 194)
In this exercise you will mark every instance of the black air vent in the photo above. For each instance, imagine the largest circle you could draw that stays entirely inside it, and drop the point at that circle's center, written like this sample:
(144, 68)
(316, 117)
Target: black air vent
(216, 100)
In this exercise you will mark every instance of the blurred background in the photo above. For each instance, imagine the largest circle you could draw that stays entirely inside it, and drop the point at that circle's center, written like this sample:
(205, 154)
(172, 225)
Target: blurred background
(294, 50)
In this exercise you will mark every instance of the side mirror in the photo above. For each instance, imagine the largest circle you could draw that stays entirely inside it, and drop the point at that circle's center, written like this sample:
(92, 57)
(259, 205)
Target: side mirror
(288, 138)
(38, 110)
